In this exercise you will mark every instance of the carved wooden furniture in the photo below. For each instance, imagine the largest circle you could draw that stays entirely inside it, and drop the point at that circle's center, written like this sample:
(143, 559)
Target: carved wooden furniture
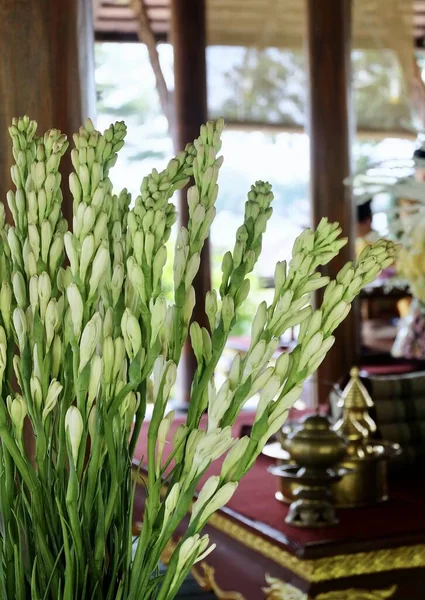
(375, 551)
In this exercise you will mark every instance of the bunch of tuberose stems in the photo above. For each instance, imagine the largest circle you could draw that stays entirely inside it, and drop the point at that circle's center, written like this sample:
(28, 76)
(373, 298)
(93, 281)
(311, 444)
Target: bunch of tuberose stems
(86, 335)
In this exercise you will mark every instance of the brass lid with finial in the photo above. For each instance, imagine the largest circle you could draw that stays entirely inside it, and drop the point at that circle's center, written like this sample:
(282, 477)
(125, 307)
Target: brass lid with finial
(356, 402)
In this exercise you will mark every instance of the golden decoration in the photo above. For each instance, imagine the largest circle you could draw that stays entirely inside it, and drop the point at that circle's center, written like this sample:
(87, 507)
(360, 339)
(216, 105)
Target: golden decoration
(324, 569)
(205, 577)
(280, 590)
(354, 594)
(208, 583)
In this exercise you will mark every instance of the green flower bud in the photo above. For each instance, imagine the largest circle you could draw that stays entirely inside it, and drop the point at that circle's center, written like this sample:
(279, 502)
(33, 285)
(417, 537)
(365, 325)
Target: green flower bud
(227, 312)
(242, 293)
(18, 412)
(94, 380)
(74, 430)
(117, 283)
(92, 423)
(56, 355)
(46, 239)
(211, 307)
(119, 356)
(36, 392)
(108, 358)
(5, 304)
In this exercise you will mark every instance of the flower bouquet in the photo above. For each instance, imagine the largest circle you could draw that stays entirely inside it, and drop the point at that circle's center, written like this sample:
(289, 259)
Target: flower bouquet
(86, 335)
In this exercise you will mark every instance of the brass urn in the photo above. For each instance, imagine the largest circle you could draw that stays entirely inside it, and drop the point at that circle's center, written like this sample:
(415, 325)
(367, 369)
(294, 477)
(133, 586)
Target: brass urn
(315, 448)
(314, 445)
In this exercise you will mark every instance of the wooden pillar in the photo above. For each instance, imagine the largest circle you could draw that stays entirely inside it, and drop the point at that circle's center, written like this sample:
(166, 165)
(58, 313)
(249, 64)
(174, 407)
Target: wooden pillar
(190, 98)
(46, 71)
(330, 130)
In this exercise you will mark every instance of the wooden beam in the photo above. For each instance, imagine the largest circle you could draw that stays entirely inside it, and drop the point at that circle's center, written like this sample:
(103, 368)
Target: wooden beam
(46, 71)
(331, 133)
(190, 97)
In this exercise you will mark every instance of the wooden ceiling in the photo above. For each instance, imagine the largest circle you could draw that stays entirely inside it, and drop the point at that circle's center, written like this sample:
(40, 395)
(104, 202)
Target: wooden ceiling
(115, 20)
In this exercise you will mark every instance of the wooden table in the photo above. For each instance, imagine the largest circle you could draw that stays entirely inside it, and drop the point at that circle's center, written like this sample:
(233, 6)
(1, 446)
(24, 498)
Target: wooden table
(375, 549)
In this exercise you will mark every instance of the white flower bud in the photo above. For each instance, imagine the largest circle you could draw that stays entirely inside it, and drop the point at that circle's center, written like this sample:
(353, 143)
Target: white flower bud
(19, 289)
(131, 333)
(20, 324)
(310, 349)
(196, 340)
(55, 254)
(87, 253)
(207, 491)
(159, 261)
(235, 371)
(282, 365)
(189, 304)
(233, 458)
(100, 264)
(55, 388)
(159, 312)
(74, 429)
(88, 220)
(191, 269)
(34, 240)
(76, 308)
(51, 321)
(36, 392)
(258, 323)
(100, 230)
(89, 340)
(71, 251)
(220, 499)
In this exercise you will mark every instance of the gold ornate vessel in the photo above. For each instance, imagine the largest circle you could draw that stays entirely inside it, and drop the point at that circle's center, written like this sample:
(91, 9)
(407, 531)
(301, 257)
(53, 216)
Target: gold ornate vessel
(367, 459)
